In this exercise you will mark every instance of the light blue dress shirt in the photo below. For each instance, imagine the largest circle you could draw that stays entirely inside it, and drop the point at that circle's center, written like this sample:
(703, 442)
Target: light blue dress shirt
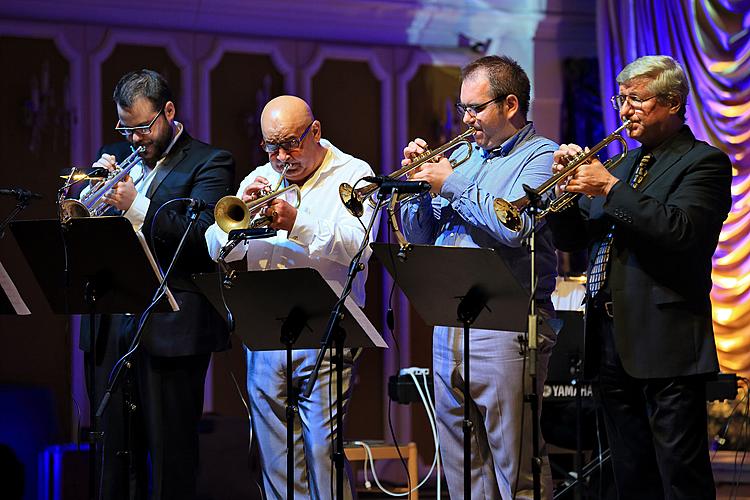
(463, 215)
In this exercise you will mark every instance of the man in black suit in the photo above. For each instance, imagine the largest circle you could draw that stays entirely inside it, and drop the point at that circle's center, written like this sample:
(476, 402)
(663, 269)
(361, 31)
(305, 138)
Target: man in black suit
(165, 383)
(651, 226)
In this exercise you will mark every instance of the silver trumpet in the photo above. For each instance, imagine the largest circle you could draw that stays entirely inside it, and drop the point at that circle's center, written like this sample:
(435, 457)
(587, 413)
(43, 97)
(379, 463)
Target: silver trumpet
(92, 203)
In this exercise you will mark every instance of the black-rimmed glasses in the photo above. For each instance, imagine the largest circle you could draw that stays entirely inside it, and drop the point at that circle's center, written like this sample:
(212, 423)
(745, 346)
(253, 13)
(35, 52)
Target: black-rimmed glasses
(475, 109)
(292, 144)
(140, 129)
(618, 101)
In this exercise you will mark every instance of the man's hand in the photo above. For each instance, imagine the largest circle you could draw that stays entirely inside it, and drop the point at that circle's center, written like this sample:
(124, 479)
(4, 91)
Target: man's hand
(256, 189)
(283, 215)
(434, 173)
(106, 161)
(122, 194)
(590, 179)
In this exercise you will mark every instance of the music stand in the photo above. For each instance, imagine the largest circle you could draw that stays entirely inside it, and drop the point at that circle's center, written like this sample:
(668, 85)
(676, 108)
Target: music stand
(79, 267)
(11, 301)
(295, 302)
(474, 288)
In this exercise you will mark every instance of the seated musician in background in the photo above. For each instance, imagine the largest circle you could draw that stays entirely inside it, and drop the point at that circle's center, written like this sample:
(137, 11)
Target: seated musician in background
(169, 368)
(320, 234)
(507, 153)
(651, 226)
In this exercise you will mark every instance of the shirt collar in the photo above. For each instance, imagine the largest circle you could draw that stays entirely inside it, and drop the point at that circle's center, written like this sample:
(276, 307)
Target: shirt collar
(510, 144)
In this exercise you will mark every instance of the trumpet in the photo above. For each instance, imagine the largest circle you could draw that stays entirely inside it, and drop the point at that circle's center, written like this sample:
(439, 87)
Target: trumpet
(354, 199)
(92, 203)
(232, 213)
(509, 213)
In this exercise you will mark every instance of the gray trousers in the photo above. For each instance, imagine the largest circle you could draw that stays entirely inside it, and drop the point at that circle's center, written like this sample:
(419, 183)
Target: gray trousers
(496, 409)
(314, 427)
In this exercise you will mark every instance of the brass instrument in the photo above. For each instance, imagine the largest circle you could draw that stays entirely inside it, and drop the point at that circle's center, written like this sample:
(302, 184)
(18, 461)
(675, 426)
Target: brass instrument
(232, 213)
(353, 199)
(92, 203)
(509, 213)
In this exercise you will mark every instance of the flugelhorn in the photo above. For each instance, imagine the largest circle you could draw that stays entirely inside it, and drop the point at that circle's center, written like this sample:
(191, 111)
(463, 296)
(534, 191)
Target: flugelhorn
(92, 203)
(509, 213)
(232, 213)
(354, 199)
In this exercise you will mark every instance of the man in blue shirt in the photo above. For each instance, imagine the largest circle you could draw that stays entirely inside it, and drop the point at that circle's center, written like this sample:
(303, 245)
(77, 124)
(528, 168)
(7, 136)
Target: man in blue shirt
(507, 153)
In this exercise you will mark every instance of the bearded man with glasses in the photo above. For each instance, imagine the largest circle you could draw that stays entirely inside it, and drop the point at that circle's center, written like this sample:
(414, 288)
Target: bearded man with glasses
(507, 153)
(651, 226)
(168, 371)
(321, 234)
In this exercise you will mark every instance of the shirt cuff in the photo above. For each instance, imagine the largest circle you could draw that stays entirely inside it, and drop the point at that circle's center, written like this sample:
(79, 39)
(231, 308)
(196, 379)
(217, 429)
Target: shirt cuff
(303, 231)
(136, 214)
(454, 186)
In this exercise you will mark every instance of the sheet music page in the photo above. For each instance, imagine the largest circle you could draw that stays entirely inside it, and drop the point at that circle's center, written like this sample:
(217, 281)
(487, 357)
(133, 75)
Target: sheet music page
(12, 292)
(152, 261)
(358, 315)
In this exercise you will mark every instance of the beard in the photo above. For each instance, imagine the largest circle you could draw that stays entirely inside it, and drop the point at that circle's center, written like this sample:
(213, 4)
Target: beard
(155, 146)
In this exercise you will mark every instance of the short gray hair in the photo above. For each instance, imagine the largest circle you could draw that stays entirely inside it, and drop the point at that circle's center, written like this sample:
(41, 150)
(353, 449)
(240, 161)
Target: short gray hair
(668, 79)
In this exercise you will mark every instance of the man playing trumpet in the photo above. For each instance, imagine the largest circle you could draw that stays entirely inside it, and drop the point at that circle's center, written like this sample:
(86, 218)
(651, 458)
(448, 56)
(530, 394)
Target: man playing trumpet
(507, 153)
(651, 226)
(320, 234)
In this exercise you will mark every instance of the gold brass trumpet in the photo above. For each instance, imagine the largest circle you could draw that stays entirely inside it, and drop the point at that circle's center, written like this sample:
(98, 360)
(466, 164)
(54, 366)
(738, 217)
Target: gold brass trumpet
(509, 213)
(353, 199)
(232, 213)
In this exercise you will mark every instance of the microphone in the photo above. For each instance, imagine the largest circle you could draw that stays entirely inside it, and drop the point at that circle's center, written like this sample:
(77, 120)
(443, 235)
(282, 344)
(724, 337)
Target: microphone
(197, 205)
(20, 194)
(388, 185)
(251, 233)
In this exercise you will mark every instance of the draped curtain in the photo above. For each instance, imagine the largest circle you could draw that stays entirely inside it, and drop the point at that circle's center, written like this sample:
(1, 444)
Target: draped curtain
(711, 39)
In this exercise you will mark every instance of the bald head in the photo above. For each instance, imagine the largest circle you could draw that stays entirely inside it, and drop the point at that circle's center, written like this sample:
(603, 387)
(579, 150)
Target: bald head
(286, 118)
(284, 115)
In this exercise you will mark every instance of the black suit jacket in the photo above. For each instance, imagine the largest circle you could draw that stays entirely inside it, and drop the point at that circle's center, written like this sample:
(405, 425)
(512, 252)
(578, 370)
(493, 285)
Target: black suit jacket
(660, 265)
(197, 170)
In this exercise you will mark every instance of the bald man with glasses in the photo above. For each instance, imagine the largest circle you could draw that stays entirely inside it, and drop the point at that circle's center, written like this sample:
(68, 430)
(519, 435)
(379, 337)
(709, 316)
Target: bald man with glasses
(319, 234)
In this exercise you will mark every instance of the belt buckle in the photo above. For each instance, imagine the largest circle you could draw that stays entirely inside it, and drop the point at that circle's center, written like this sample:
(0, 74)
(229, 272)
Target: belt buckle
(609, 309)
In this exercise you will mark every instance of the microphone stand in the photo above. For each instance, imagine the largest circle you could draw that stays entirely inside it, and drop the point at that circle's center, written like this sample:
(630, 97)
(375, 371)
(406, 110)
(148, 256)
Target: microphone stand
(334, 333)
(532, 397)
(24, 199)
(125, 361)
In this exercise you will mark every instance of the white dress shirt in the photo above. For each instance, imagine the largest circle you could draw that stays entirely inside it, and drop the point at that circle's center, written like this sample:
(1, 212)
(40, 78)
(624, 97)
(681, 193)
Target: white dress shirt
(325, 235)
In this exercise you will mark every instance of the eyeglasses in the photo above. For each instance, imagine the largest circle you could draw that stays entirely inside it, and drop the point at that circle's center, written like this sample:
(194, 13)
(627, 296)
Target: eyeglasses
(140, 129)
(292, 144)
(618, 101)
(475, 109)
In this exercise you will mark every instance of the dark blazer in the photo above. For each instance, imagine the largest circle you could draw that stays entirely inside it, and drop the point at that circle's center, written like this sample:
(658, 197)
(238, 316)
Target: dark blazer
(660, 265)
(192, 169)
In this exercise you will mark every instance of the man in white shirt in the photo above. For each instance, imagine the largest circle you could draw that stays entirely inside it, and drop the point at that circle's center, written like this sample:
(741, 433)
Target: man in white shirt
(320, 234)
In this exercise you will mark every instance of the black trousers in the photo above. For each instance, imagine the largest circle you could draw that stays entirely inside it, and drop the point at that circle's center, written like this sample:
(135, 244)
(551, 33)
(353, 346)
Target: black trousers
(657, 428)
(150, 446)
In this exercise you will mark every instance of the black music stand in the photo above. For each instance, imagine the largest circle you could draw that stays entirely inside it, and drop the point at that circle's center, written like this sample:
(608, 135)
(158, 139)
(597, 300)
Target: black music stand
(11, 301)
(296, 302)
(459, 287)
(79, 267)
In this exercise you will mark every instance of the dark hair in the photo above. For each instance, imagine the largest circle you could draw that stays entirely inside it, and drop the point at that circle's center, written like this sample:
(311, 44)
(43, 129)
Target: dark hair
(142, 83)
(506, 77)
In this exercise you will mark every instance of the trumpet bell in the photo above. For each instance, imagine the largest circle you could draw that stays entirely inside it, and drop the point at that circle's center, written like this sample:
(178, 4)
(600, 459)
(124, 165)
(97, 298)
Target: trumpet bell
(73, 209)
(231, 213)
(507, 214)
(350, 199)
